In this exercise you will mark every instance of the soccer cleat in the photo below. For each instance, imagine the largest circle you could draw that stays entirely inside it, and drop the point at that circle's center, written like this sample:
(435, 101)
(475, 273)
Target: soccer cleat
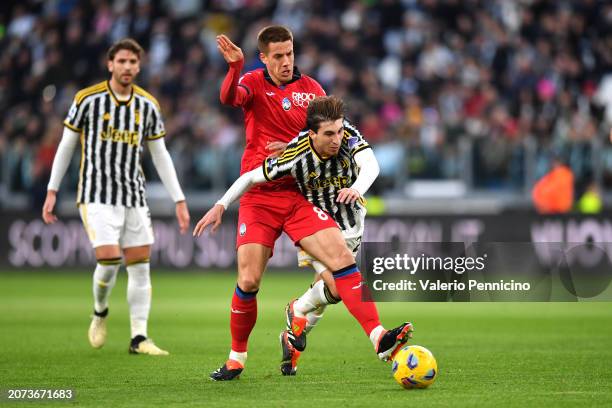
(295, 326)
(391, 341)
(142, 345)
(97, 330)
(290, 355)
(229, 371)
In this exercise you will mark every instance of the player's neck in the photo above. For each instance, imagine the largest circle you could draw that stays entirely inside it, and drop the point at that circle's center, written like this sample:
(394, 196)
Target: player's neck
(121, 91)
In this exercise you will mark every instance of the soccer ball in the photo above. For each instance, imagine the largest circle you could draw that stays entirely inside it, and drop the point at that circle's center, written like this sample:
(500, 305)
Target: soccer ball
(414, 367)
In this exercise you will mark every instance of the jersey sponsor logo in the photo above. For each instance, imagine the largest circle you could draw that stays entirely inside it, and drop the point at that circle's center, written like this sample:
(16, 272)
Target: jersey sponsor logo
(270, 93)
(236, 311)
(336, 181)
(124, 136)
(242, 229)
(302, 98)
(286, 104)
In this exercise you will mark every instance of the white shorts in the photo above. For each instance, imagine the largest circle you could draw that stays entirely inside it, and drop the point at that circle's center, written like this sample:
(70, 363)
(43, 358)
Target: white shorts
(305, 259)
(117, 225)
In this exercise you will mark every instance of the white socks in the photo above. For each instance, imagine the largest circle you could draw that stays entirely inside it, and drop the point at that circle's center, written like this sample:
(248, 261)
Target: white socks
(312, 304)
(104, 279)
(375, 335)
(238, 356)
(139, 296)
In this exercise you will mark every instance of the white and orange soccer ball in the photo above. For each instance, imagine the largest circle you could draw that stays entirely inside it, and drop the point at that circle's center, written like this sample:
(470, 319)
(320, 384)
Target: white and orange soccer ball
(414, 367)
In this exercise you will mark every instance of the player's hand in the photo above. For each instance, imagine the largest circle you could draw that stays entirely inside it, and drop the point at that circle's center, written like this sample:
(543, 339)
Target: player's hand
(230, 51)
(47, 210)
(348, 195)
(213, 216)
(182, 215)
(276, 149)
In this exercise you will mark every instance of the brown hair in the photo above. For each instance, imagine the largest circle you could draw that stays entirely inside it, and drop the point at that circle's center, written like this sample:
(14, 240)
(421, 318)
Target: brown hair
(125, 44)
(324, 109)
(270, 34)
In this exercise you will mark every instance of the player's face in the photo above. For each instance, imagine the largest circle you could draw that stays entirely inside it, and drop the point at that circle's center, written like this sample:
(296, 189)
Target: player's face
(279, 61)
(124, 67)
(328, 138)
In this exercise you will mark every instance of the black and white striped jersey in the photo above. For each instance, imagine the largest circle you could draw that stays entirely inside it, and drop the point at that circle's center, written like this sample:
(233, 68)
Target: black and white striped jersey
(113, 133)
(320, 179)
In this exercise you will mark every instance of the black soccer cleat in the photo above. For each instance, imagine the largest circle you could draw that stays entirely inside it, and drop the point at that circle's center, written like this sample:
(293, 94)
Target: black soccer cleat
(288, 364)
(229, 371)
(296, 328)
(392, 341)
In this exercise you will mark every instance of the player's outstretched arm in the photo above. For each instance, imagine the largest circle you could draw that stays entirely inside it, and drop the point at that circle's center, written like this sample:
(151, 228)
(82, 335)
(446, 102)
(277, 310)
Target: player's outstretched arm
(240, 186)
(163, 164)
(62, 159)
(232, 93)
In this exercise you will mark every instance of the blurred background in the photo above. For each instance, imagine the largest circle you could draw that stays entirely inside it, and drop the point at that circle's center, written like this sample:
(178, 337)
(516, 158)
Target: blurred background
(482, 113)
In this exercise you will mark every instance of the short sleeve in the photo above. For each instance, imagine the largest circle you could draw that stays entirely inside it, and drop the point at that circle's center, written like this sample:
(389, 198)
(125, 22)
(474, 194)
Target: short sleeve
(155, 126)
(76, 115)
(277, 167)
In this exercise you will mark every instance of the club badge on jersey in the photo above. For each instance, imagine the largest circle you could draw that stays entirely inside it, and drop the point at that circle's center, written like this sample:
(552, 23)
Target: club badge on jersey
(286, 104)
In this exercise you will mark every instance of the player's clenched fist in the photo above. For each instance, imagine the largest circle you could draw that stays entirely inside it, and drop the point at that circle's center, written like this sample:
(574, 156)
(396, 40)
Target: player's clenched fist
(230, 51)
(213, 216)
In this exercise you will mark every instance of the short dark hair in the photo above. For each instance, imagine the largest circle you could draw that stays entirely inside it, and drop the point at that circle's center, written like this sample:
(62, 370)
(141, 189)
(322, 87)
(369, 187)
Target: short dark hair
(324, 109)
(124, 44)
(272, 34)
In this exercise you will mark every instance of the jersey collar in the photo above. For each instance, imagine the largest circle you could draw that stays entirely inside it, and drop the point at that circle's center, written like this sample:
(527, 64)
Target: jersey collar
(117, 101)
(296, 75)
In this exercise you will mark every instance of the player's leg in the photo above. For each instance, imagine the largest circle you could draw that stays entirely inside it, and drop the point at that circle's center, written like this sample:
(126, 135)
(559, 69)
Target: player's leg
(304, 312)
(258, 227)
(329, 247)
(103, 234)
(136, 243)
(322, 291)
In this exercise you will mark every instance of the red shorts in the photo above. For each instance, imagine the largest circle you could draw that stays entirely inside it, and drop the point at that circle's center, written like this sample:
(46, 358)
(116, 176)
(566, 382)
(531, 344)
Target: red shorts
(263, 215)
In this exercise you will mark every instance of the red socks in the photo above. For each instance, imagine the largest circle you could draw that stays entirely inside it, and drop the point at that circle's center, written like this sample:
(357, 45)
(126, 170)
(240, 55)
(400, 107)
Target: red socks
(242, 319)
(349, 286)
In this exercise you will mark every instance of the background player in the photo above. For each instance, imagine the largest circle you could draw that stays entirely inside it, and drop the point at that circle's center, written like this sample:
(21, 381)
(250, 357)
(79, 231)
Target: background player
(113, 120)
(318, 160)
(274, 101)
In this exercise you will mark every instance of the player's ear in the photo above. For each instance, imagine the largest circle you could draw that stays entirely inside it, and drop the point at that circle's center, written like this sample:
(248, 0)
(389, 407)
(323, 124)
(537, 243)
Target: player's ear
(263, 57)
(109, 65)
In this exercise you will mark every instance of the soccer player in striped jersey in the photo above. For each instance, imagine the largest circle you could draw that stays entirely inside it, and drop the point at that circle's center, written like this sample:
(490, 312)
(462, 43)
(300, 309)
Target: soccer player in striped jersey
(113, 121)
(333, 167)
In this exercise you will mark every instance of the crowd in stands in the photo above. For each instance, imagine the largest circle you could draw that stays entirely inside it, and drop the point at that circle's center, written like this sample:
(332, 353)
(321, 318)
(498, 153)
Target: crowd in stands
(492, 89)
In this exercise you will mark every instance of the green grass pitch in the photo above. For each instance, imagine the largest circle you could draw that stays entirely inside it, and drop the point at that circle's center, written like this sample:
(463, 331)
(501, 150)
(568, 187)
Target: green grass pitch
(489, 354)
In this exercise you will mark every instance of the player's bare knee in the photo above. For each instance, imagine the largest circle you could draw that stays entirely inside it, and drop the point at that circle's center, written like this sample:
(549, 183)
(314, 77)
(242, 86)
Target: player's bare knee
(248, 283)
(341, 259)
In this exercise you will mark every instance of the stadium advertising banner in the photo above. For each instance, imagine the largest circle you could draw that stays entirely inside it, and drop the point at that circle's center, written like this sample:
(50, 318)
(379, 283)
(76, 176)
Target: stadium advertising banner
(28, 242)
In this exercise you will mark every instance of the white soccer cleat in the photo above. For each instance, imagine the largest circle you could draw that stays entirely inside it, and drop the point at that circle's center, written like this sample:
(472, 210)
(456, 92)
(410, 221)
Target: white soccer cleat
(148, 347)
(97, 332)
